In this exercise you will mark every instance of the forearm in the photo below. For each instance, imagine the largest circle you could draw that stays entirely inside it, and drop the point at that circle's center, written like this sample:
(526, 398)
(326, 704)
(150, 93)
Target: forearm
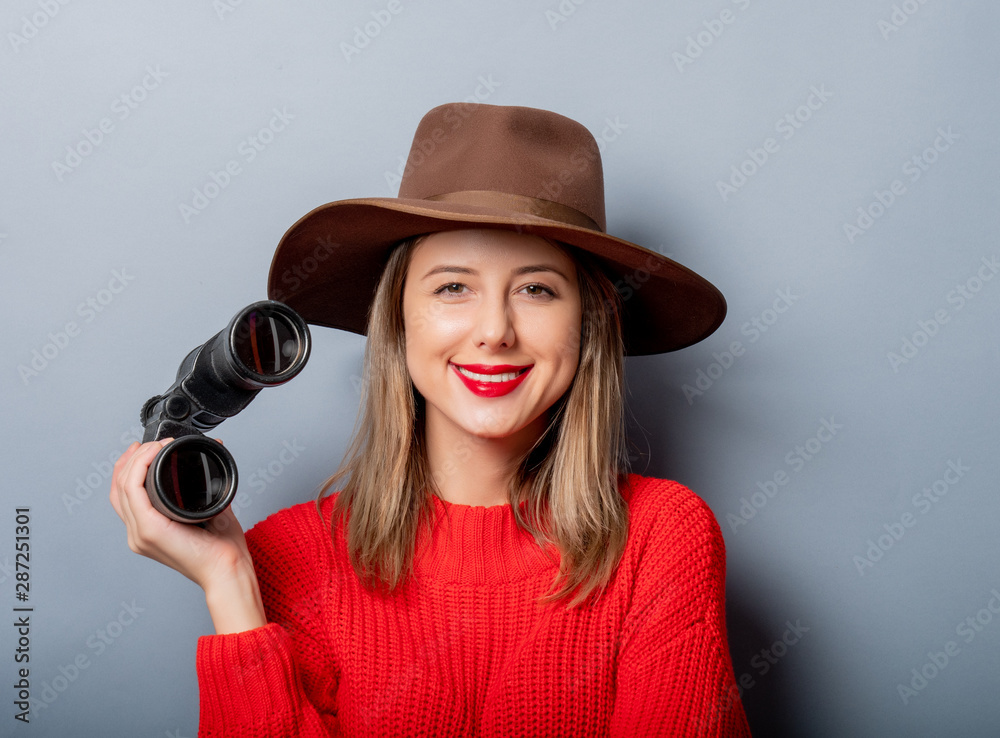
(270, 670)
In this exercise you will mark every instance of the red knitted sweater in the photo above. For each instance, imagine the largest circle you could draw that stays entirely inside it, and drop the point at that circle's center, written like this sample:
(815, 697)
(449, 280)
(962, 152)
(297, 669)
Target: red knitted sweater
(462, 649)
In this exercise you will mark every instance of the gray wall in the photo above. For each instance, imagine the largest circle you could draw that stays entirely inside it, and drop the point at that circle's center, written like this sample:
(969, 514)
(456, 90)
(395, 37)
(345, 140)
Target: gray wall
(841, 423)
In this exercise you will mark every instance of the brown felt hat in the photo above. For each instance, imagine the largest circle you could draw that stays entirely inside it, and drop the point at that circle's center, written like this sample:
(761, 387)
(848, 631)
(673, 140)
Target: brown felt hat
(489, 166)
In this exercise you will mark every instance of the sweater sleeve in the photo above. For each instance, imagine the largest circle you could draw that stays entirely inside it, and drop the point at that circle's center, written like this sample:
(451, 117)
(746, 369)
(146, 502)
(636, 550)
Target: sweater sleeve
(675, 677)
(276, 680)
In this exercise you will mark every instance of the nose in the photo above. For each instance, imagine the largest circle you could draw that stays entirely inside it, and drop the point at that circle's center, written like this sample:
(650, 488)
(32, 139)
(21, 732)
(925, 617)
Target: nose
(495, 329)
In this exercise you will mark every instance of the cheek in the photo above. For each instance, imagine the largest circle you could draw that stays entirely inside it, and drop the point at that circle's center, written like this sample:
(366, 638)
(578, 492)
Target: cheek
(412, 320)
(564, 338)
(428, 339)
(417, 365)
(413, 326)
(570, 365)
(430, 321)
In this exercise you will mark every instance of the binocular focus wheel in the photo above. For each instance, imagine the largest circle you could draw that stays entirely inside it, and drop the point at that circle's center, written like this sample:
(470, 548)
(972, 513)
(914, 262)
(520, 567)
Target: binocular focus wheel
(192, 479)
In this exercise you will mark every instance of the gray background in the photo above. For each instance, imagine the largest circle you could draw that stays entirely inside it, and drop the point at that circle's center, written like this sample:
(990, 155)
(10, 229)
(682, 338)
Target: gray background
(672, 130)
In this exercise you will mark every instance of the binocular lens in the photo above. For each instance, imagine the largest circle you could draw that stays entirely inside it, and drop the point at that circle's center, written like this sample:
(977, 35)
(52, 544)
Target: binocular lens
(267, 341)
(192, 478)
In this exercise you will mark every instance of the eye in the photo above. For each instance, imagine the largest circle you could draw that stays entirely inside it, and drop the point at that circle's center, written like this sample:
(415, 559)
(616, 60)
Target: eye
(539, 290)
(447, 288)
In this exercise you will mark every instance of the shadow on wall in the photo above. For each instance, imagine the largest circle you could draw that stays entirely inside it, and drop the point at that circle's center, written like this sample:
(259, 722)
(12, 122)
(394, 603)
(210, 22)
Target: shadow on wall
(764, 688)
(756, 652)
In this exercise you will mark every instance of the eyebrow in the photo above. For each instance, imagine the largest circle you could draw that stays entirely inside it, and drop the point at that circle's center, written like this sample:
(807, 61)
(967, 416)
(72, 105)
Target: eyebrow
(527, 269)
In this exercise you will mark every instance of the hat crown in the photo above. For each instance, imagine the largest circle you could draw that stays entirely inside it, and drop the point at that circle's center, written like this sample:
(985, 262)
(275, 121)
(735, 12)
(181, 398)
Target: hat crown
(474, 147)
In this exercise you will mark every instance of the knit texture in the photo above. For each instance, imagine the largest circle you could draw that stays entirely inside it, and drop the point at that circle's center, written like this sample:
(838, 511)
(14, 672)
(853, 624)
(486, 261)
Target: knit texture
(463, 649)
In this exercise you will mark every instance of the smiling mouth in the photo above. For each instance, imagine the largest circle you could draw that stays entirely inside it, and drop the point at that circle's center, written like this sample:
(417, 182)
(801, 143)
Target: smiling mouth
(497, 378)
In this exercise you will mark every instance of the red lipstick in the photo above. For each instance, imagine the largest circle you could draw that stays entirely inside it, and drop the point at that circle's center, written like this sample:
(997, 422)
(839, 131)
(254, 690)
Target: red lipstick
(482, 388)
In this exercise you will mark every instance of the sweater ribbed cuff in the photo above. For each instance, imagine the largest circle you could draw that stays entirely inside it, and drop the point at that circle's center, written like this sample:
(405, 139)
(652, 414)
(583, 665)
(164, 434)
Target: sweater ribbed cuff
(247, 678)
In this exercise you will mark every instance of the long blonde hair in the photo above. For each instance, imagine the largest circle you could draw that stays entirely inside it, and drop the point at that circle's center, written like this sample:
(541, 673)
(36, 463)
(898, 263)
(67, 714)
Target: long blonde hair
(569, 480)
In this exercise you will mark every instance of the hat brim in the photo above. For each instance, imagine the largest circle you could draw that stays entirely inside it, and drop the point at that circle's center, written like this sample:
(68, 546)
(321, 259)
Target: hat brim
(327, 266)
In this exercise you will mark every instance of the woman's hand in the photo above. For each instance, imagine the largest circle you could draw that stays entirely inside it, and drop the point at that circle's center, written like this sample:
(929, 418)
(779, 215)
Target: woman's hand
(214, 557)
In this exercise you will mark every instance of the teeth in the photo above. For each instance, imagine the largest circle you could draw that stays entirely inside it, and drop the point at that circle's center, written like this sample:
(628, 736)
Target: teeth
(506, 377)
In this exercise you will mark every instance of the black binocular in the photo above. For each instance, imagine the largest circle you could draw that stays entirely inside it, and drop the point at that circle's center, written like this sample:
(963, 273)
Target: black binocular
(193, 478)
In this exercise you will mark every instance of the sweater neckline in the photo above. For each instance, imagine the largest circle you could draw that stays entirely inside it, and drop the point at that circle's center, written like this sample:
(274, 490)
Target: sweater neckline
(476, 545)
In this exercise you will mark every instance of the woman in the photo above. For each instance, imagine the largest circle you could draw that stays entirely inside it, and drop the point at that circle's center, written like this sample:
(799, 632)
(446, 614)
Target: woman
(488, 566)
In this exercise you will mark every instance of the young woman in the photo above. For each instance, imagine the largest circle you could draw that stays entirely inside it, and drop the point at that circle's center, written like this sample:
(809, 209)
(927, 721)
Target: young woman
(487, 565)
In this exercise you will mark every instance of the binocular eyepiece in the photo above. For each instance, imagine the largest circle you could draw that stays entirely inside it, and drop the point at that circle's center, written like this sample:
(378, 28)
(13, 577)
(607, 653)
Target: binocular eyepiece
(194, 478)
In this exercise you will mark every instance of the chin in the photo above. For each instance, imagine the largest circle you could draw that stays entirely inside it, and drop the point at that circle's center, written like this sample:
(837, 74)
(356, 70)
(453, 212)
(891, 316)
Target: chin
(501, 431)
(491, 433)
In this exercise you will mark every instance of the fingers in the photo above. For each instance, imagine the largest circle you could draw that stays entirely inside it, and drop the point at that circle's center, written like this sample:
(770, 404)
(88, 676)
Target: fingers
(202, 555)
(131, 491)
(116, 471)
(132, 480)
(128, 492)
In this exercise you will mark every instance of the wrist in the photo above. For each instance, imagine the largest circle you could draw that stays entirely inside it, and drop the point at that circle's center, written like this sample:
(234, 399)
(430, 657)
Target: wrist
(235, 603)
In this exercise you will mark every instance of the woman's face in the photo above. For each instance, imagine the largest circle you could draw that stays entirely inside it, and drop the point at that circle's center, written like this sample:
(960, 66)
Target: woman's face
(492, 321)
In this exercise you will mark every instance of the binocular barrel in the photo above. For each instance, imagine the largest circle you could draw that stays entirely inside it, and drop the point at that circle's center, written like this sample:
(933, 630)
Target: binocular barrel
(194, 478)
